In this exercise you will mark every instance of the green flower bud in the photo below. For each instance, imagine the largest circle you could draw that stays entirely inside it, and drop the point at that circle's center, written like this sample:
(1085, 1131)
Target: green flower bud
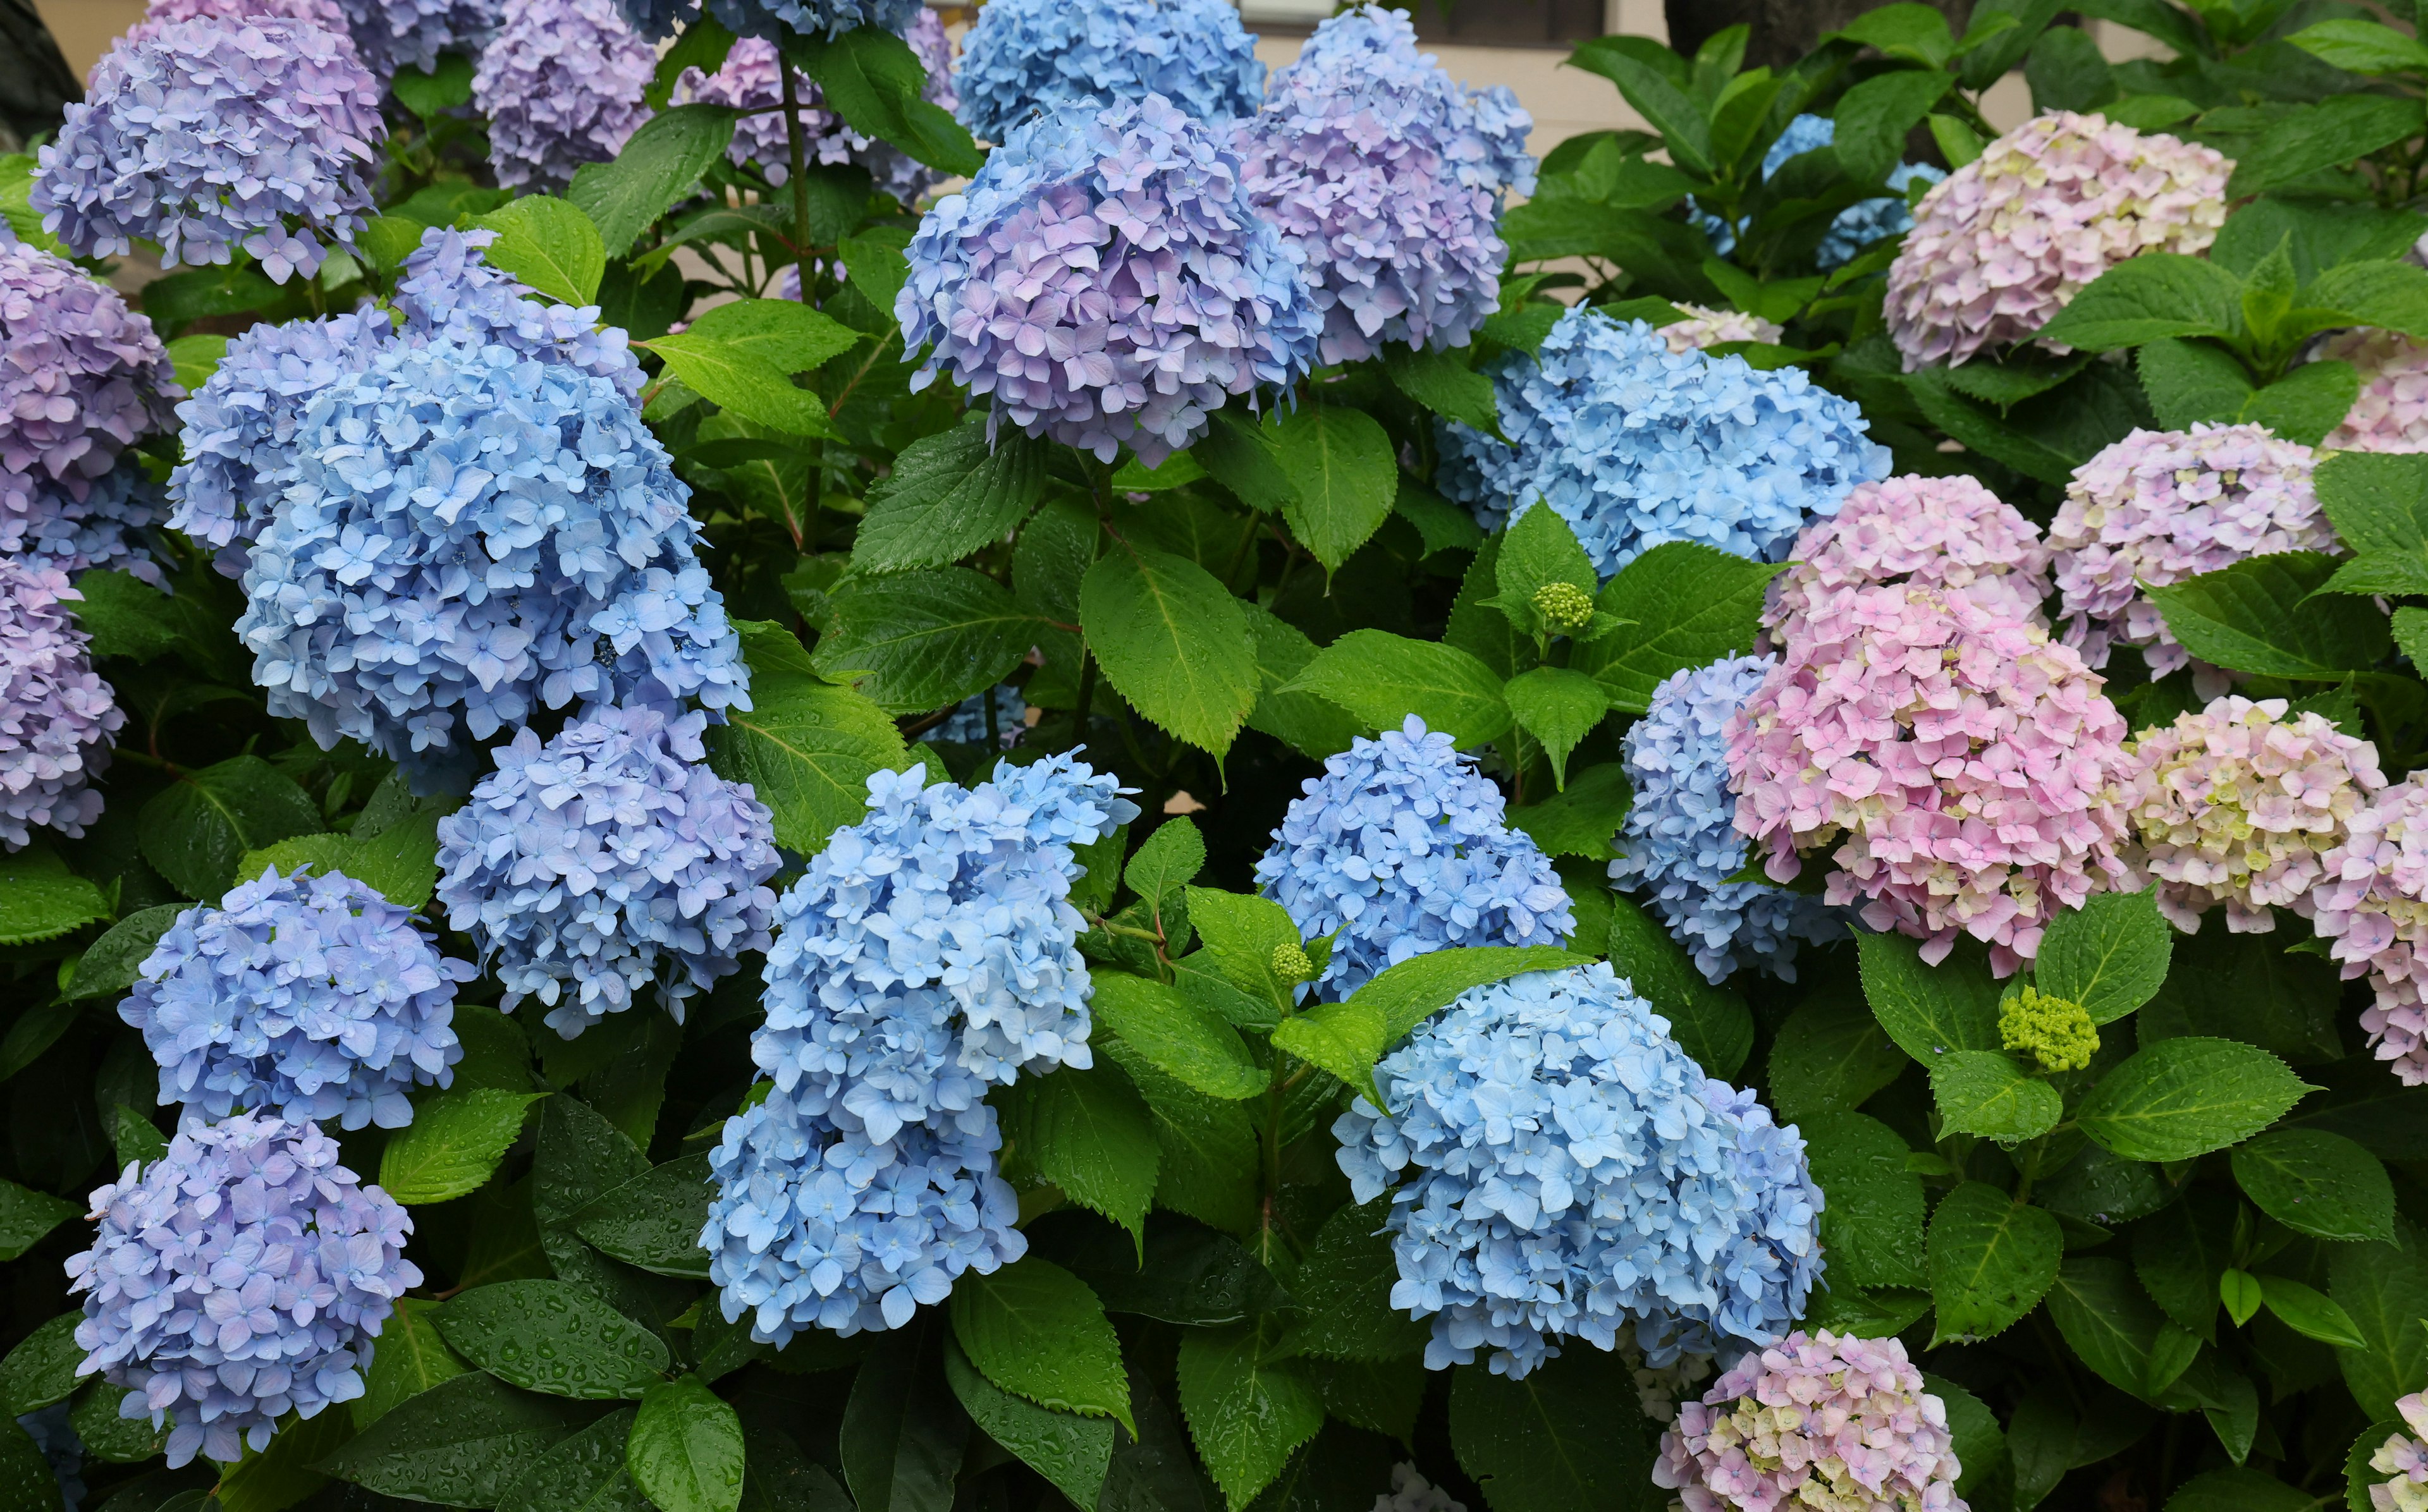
(2057, 1033)
(1565, 607)
(1292, 965)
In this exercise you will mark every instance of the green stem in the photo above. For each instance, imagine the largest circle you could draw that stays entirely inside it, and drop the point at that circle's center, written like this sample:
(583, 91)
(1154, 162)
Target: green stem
(797, 146)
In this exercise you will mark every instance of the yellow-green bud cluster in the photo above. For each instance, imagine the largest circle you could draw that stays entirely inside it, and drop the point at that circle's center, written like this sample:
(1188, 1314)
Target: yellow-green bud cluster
(1293, 964)
(1565, 607)
(2057, 1031)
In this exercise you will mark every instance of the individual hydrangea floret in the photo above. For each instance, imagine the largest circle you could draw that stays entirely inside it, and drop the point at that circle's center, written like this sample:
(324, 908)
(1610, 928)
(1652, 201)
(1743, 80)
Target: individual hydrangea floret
(401, 33)
(1963, 767)
(240, 1277)
(210, 138)
(2239, 802)
(308, 996)
(450, 292)
(57, 719)
(1358, 158)
(1402, 848)
(2055, 1032)
(611, 858)
(927, 955)
(2371, 907)
(560, 84)
(2403, 1459)
(1814, 1420)
(1022, 60)
(967, 725)
(1634, 445)
(1560, 1168)
(2391, 413)
(1105, 282)
(2002, 244)
(1948, 533)
(326, 14)
(1679, 844)
(473, 534)
(748, 81)
(1704, 327)
(1853, 229)
(2160, 506)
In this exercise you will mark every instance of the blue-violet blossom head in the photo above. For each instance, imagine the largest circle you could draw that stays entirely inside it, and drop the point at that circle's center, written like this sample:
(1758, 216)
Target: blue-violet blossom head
(450, 292)
(658, 19)
(1481, 133)
(1853, 229)
(967, 724)
(561, 83)
(1024, 58)
(57, 719)
(400, 34)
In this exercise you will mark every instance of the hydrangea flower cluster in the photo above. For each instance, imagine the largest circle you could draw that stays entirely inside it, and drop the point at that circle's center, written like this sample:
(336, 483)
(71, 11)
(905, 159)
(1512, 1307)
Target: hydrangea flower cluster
(2391, 414)
(967, 725)
(1402, 848)
(2238, 805)
(1575, 1171)
(305, 996)
(2009, 239)
(1358, 158)
(474, 532)
(658, 19)
(1851, 230)
(400, 34)
(927, 955)
(57, 719)
(207, 138)
(561, 85)
(1103, 281)
(2371, 908)
(1814, 1420)
(240, 1277)
(328, 15)
(1704, 327)
(1965, 768)
(2403, 1459)
(449, 291)
(2055, 1032)
(1948, 533)
(1023, 58)
(2160, 506)
(608, 858)
(1412, 1492)
(81, 379)
(1679, 844)
(748, 81)
(1634, 445)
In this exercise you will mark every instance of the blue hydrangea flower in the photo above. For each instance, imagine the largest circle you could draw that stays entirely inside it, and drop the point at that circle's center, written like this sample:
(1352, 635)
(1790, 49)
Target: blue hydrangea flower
(207, 137)
(967, 725)
(56, 1437)
(1560, 1168)
(1105, 282)
(450, 292)
(656, 18)
(1679, 844)
(307, 996)
(927, 955)
(561, 83)
(1854, 228)
(1357, 160)
(1634, 445)
(473, 533)
(240, 1277)
(1401, 847)
(1023, 57)
(110, 528)
(605, 859)
(396, 34)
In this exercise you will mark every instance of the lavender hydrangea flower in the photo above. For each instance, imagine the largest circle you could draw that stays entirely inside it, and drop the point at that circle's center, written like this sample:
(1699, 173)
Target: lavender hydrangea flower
(326, 14)
(656, 18)
(1401, 847)
(1024, 58)
(400, 34)
(1681, 844)
(1105, 282)
(473, 533)
(110, 527)
(561, 83)
(1480, 133)
(1560, 1168)
(927, 955)
(239, 1278)
(209, 138)
(1356, 160)
(605, 859)
(1634, 445)
(57, 719)
(305, 996)
(748, 81)
(967, 725)
(450, 292)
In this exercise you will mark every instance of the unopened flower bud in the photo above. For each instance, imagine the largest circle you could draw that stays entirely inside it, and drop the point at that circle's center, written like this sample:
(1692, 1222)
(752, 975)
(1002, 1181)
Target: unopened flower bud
(2057, 1031)
(1565, 607)
(1292, 965)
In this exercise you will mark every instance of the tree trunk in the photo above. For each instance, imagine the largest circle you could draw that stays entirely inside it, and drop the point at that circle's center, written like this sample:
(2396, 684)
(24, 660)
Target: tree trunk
(1783, 30)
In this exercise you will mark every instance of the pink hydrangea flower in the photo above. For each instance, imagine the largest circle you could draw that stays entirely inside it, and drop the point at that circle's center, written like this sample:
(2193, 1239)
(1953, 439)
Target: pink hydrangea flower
(2236, 805)
(2002, 244)
(1965, 768)
(2391, 414)
(2403, 1459)
(1848, 1414)
(2372, 908)
(1704, 327)
(1948, 533)
(2161, 506)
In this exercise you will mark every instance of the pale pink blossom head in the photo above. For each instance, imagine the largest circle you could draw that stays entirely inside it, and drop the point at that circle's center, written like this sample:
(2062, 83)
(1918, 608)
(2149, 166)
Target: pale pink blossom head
(1704, 327)
(1963, 770)
(1948, 533)
(2403, 1459)
(2161, 506)
(2002, 244)
(2371, 907)
(2391, 414)
(2238, 805)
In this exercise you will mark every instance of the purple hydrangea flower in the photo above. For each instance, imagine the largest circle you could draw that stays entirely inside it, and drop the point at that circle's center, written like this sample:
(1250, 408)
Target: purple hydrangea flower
(1356, 160)
(1401, 847)
(57, 719)
(450, 292)
(326, 14)
(561, 83)
(1023, 58)
(398, 34)
(608, 858)
(1105, 282)
(305, 996)
(473, 533)
(239, 1278)
(1481, 133)
(655, 19)
(207, 138)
